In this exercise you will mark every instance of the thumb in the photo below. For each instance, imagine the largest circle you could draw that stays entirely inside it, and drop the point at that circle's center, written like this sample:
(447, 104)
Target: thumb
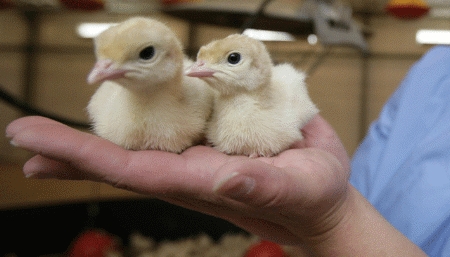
(319, 133)
(252, 182)
(308, 179)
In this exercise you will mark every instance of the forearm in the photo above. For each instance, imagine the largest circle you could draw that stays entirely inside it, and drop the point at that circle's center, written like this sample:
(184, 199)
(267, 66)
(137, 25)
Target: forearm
(362, 232)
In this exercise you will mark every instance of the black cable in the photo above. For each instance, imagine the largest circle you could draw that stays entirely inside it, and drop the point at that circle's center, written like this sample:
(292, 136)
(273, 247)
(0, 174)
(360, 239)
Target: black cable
(31, 110)
(250, 21)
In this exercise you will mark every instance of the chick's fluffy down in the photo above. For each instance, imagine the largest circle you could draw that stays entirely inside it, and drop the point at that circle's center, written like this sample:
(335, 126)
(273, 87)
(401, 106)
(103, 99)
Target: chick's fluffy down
(260, 107)
(144, 101)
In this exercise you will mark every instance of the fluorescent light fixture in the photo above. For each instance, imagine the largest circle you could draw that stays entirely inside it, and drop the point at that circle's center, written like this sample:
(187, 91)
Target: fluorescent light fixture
(433, 37)
(268, 35)
(91, 30)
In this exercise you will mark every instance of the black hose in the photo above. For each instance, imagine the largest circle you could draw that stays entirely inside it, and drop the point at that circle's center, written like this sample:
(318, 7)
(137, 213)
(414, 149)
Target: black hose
(31, 110)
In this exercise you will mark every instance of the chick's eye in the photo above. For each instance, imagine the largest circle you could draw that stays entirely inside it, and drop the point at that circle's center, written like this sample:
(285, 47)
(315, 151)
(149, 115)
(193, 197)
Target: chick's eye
(147, 53)
(234, 58)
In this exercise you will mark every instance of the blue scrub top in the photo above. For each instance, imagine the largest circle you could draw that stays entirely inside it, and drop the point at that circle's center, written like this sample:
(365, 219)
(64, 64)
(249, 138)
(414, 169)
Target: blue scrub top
(403, 165)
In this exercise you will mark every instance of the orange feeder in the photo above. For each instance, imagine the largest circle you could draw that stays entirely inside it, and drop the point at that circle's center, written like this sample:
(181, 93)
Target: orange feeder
(407, 9)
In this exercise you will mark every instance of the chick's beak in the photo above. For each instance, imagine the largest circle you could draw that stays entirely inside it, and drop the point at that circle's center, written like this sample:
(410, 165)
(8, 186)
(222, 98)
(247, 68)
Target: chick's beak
(104, 70)
(199, 70)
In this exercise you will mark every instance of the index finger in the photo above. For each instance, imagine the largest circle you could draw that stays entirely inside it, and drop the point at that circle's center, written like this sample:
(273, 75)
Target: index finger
(150, 172)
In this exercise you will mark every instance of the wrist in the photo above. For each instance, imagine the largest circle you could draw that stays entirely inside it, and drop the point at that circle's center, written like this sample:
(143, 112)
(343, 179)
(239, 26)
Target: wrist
(359, 230)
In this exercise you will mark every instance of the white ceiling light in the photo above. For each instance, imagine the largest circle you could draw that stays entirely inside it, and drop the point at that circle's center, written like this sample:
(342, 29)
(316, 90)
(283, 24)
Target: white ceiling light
(91, 30)
(433, 37)
(268, 35)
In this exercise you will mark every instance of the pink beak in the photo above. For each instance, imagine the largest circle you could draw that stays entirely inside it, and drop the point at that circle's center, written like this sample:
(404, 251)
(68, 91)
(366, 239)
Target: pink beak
(104, 70)
(199, 70)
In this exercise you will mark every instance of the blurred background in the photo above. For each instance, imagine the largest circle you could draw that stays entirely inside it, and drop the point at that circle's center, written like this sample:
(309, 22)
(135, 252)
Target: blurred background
(355, 53)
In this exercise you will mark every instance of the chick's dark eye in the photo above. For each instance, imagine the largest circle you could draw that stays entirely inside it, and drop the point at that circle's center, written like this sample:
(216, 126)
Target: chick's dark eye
(234, 58)
(147, 53)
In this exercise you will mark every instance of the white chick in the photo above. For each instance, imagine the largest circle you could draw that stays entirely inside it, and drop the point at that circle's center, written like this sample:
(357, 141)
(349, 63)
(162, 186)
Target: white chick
(145, 101)
(260, 107)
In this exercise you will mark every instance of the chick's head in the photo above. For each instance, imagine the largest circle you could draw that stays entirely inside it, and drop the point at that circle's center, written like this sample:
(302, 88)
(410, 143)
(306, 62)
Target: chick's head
(138, 52)
(234, 64)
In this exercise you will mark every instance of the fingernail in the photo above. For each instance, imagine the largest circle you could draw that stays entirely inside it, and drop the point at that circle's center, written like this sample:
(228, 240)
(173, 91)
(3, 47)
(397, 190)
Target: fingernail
(29, 175)
(36, 170)
(13, 143)
(236, 186)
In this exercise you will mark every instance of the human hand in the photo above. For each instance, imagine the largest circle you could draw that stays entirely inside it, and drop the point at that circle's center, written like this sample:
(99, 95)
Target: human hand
(289, 198)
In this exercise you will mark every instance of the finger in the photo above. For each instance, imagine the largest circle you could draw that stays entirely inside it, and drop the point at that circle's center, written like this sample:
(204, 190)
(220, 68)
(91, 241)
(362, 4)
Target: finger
(289, 187)
(308, 189)
(248, 220)
(41, 167)
(267, 230)
(22, 123)
(60, 142)
(319, 133)
(94, 158)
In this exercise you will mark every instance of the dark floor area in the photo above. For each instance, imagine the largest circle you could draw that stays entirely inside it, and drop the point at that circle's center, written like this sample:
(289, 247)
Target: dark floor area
(49, 230)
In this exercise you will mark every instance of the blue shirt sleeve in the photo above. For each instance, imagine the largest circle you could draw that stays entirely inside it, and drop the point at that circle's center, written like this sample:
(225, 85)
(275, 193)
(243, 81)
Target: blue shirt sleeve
(403, 165)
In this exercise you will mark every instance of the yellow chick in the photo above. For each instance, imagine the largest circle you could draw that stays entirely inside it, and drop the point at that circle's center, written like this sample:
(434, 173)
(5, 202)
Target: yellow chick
(260, 107)
(144, 100)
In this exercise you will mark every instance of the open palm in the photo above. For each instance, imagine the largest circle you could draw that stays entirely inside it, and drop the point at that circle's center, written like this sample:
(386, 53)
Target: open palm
(283, 198)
